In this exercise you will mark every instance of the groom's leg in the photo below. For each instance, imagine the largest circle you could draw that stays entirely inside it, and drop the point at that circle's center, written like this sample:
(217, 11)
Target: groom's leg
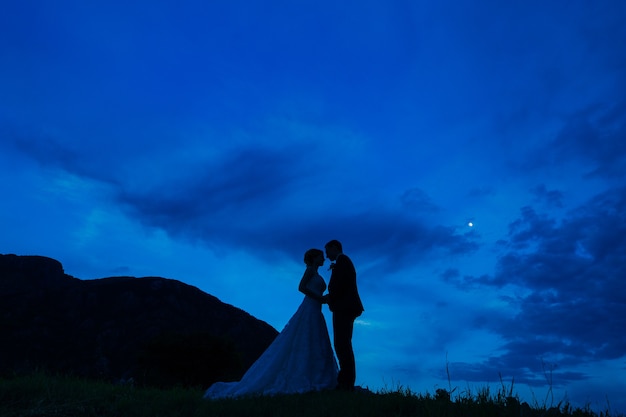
(343, 326)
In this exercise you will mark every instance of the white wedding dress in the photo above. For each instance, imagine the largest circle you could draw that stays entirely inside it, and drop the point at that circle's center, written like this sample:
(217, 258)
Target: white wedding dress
(299, 360)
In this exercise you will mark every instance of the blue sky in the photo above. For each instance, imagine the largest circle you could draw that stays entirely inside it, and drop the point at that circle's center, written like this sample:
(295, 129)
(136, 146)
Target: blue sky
(215, 142)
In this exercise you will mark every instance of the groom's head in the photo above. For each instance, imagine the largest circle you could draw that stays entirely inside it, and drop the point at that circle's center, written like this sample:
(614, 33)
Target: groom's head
(333, 249)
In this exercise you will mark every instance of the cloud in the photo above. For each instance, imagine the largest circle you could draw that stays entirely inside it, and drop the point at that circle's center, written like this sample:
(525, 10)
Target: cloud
(260, 197)
(551, 198)
(416, 199)
(265, 198)
(563, 280)
(103, 162)
(243, 205)
(232, 194)
(596, 135)
(592, 136)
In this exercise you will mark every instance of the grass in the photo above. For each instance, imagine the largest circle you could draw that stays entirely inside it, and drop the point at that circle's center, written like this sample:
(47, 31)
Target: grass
(43, 395)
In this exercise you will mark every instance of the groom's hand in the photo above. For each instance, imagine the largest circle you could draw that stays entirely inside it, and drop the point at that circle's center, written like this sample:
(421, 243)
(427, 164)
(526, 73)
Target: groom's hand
(325, 299)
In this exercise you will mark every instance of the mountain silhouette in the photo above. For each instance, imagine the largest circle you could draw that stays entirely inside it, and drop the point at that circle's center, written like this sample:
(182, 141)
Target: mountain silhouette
(150, 330)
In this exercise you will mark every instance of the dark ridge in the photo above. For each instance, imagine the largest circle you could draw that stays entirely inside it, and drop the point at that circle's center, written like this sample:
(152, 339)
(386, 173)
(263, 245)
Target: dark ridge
(152, 330)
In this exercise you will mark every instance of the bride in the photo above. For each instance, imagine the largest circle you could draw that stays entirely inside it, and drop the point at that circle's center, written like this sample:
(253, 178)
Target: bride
(300, 359)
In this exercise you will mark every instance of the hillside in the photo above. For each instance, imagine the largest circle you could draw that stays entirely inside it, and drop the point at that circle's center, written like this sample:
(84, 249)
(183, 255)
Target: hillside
(154, 330)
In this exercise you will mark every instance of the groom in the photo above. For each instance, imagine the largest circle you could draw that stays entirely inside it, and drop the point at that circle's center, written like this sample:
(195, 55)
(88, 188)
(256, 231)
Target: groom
(344, 302)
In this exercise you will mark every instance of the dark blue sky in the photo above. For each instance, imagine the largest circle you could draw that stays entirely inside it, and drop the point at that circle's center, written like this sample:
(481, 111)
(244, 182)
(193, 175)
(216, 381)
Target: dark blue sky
(215, 143)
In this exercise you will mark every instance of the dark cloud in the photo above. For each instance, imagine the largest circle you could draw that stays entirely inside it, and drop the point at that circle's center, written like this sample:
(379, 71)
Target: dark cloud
(60, 153)
(391, 238)
(237, 210)
(246, 198)
(226, 198)
(593, 136)
(416, 199)
(569, 274)
(453, 276)
(47, 151)
(550, 198)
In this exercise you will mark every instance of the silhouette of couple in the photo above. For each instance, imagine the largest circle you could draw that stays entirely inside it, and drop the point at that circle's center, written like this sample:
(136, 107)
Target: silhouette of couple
(301, 359)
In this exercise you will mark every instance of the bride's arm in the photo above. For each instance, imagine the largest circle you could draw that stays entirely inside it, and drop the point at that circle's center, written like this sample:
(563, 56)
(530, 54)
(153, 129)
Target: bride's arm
(306, 277)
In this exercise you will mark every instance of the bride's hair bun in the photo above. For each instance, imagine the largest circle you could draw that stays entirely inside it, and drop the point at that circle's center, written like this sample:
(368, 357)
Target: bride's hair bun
(311, 254)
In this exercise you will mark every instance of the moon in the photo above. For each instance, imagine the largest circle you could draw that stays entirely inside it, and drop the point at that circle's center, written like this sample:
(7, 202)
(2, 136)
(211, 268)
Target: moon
(470, 224)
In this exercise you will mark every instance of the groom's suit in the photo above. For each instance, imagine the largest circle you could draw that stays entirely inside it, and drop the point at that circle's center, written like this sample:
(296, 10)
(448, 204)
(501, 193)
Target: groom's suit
(345, 303)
